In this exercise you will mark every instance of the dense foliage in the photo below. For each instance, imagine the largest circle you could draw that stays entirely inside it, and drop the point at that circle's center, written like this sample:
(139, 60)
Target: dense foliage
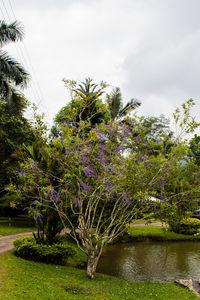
(189, 226)
(26, 247)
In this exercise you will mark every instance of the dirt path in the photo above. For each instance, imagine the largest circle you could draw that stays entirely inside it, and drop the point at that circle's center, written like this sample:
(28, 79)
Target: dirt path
(6, 241)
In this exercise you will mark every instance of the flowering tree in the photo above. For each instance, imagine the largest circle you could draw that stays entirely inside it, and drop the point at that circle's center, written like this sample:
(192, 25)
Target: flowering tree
(104, 183)
(101, 182)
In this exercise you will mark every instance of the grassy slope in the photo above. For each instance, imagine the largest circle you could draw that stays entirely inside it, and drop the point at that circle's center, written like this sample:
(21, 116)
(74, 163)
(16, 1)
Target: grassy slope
(157, 233)
(29, 280)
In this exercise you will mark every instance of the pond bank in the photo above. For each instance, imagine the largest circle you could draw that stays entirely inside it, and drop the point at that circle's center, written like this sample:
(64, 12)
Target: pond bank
(153, 233)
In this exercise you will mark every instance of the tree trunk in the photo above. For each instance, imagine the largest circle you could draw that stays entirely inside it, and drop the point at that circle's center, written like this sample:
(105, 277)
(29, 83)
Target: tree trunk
(92, 265)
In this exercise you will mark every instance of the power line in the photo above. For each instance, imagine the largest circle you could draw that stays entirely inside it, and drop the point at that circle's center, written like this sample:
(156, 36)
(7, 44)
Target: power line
(28, 56)
(21, 54)
(34, 85)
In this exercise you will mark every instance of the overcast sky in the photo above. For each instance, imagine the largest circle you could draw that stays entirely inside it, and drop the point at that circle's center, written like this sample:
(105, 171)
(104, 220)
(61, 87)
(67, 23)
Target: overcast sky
(148, 48)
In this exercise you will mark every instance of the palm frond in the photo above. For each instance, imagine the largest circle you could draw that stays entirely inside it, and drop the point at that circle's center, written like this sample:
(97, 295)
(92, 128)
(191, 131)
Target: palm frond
(115, 102)
(131, 105)
(15, 101)
(13, 70)
(10, 32)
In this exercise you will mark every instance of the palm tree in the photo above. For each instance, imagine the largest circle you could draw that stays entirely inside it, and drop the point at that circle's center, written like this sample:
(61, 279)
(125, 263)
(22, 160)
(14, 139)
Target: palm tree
(12, 73)
(115, 104)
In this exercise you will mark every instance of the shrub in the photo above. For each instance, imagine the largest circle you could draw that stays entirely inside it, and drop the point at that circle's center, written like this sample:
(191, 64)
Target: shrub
(26, 247)
(189, 226)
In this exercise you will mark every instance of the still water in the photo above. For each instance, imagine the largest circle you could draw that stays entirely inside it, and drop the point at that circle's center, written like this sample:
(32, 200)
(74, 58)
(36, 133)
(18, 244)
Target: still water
(152, 261)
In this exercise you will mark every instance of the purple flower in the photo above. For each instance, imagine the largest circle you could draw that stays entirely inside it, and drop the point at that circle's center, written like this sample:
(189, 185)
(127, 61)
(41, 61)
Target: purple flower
(89, 171)
(13, 206)
(119, 149)
(111, 133)
(101, 159)
(88, 148)
(165, 169)
(26, 208)
(77, 201)
(85, 158)
(107, 182)
(85, 186)
(110, 187)
(21, 173)
(128, 202)
(33, 202)
(101, 136)
(162, 180)
(123, 137)
(162, 197)
(142, 159)
(38, 217)
(137, 138)
(101, 146)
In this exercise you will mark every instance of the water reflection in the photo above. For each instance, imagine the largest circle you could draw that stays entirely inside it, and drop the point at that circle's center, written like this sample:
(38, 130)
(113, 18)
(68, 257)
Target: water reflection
(152, 261)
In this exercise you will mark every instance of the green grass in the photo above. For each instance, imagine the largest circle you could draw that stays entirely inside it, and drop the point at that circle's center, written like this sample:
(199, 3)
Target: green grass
(5, 229)
(160, 233)
(21, 279)
(15, 225)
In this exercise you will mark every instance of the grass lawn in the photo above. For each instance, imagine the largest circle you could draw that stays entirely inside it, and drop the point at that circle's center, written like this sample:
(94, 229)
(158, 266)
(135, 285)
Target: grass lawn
(158, 233)
(21, 279)
(15, 225)
(7, 230)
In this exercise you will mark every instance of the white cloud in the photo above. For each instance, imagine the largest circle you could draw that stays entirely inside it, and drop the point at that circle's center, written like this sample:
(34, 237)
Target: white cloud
(149, 48)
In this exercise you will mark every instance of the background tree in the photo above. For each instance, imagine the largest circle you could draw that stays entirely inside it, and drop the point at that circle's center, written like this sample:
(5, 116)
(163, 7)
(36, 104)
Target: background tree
(15, 129)
(12, 73)
(115, 104)
(195, 148)
(86, 105)
(157, 128)
(15, 132)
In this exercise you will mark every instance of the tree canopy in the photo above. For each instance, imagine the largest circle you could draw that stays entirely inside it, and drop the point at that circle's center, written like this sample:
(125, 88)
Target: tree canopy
(12, 73)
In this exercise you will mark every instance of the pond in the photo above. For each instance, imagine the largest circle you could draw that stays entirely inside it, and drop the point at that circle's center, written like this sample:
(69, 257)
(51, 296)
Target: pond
(152, 261)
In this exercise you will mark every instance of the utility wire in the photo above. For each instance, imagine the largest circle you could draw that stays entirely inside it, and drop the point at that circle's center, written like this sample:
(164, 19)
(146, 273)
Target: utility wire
(21, 55)
(34, 85)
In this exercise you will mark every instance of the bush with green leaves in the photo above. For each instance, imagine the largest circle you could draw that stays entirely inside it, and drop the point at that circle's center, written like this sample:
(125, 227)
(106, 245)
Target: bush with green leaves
(26, 247)
(189, 226)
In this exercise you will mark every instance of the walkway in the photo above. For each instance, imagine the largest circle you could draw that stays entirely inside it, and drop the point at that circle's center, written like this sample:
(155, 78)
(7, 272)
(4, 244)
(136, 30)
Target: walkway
(6, 241)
